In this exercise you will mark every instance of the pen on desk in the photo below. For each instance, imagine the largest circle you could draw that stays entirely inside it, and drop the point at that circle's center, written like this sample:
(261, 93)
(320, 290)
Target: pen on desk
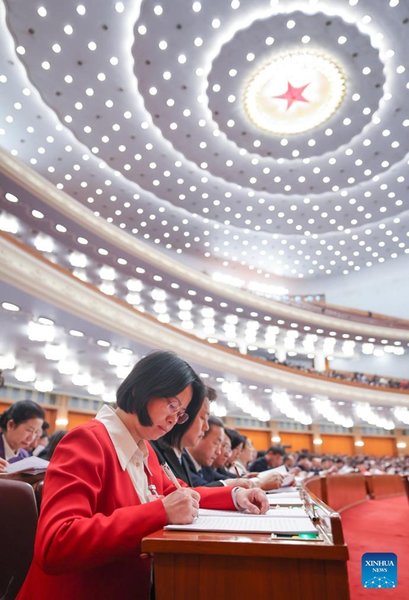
(170, 475)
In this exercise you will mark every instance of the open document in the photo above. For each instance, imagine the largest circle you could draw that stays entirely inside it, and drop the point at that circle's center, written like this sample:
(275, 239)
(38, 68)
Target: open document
(290, 521)
(285, 498)
(31, 464)
(288, 480)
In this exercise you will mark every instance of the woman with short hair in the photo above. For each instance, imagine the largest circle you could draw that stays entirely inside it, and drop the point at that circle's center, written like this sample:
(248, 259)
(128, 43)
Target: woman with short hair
(20, 424)
(104, 490)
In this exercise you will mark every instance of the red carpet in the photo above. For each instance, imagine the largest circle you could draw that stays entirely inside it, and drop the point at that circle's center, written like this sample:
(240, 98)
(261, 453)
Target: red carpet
(378, 526)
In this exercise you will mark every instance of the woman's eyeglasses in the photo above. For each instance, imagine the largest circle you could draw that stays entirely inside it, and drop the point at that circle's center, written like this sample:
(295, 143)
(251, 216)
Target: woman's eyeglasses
(174, 407)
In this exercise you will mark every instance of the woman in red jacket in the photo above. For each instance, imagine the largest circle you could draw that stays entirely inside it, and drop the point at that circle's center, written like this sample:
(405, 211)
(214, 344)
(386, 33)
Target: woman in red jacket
(104, 490)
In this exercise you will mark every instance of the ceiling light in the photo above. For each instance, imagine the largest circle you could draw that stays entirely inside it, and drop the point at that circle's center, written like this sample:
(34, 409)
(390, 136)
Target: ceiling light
(81, 379)
(76, 333)
(25, 374)
(67, 367)
(43, 385)
(107, 273)
(96, 388)
(38, 332)
(44, 243)
(9, 306)
(9, 223)
(78, 260)
(7, 361)
(55, 352)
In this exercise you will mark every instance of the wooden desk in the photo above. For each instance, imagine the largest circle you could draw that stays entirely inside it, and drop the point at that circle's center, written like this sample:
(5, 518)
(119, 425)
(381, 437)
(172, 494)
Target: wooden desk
(220, 566)
(383, 486)
(343, 491)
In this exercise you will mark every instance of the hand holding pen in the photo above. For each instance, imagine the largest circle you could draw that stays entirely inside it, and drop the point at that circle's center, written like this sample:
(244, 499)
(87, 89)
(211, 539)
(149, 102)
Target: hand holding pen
(182, 505)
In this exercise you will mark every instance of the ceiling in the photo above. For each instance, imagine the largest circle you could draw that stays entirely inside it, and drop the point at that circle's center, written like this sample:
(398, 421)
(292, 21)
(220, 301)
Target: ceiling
(163, 175)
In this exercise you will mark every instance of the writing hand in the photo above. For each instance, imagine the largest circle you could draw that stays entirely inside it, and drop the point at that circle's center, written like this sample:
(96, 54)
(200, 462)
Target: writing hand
(272, 482)
(181, 506)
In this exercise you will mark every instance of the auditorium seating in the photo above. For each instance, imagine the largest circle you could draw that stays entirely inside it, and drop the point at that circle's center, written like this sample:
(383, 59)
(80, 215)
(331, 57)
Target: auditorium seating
(344, 491)
(18, 523)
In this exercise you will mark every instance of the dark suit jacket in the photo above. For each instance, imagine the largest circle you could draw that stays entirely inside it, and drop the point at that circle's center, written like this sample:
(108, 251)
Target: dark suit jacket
(199, 476)
(260, 464)
(211, 474)
(166, 454)
(183, 469)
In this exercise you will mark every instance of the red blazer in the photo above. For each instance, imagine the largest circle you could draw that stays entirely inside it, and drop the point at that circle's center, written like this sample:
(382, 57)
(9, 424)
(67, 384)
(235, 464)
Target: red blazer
(92, 523)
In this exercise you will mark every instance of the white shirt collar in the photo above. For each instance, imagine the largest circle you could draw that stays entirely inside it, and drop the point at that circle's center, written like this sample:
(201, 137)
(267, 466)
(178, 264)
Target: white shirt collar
(124, 444)
(198, 466)
(8, 452)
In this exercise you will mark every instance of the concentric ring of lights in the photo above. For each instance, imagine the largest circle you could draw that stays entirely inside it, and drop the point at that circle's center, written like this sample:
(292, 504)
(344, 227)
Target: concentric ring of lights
(320, 85)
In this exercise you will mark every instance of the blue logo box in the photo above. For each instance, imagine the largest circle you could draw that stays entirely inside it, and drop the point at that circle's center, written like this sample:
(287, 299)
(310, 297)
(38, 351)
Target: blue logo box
(379, 570)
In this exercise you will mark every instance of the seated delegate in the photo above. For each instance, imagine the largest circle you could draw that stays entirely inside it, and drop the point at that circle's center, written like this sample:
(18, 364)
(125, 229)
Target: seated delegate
(171, 447)
(104, 490)
(20, 425)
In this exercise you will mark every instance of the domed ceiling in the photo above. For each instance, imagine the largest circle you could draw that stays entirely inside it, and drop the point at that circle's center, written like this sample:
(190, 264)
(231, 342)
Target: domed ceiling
(256, 139)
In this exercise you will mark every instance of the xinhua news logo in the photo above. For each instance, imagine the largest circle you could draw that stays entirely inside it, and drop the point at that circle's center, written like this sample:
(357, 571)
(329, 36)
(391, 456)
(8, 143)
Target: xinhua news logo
(379, 570)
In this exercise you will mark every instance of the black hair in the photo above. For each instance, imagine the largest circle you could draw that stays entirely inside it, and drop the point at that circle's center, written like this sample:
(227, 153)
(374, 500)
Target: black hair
(214, 422)
(276, 450)
(235, 437)
(174, 437)
(55, 439)
(303, 455)
(210, 393)
(21, 411)
(158, 375)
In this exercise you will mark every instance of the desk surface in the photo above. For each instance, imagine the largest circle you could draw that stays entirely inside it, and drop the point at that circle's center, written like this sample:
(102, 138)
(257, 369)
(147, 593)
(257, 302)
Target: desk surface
(243, 544)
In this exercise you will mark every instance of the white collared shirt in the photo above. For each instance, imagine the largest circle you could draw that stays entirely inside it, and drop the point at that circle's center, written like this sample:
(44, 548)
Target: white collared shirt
(197, 465)
(8, 452)
(132, 456)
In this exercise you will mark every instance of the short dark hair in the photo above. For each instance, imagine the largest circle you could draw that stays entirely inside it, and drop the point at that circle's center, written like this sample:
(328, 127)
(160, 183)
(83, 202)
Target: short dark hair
(160, 374)
(21, 411)
(214, 422)
(276, 450)
(235, 437)
(303, 455)
(210, 393)
(54, 440)
(174, 437)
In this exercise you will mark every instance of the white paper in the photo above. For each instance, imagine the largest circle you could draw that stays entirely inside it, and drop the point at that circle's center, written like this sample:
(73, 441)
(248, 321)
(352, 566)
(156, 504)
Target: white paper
(292, 512)
(263, 475)
(249, 524)
(31, 464)
(288, 480)
(285, 491)
(274, 499)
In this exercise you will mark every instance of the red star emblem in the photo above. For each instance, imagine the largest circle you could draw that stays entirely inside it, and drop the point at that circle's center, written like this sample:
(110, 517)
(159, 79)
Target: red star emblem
(293, 94)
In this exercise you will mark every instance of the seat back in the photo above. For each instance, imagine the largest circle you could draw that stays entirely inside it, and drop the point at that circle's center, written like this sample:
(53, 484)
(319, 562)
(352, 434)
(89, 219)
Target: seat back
(18, 523)
(38, 492)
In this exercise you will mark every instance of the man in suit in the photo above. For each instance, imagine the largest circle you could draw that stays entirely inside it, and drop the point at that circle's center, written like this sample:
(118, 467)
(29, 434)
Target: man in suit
(273, 458)
(203, 455)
